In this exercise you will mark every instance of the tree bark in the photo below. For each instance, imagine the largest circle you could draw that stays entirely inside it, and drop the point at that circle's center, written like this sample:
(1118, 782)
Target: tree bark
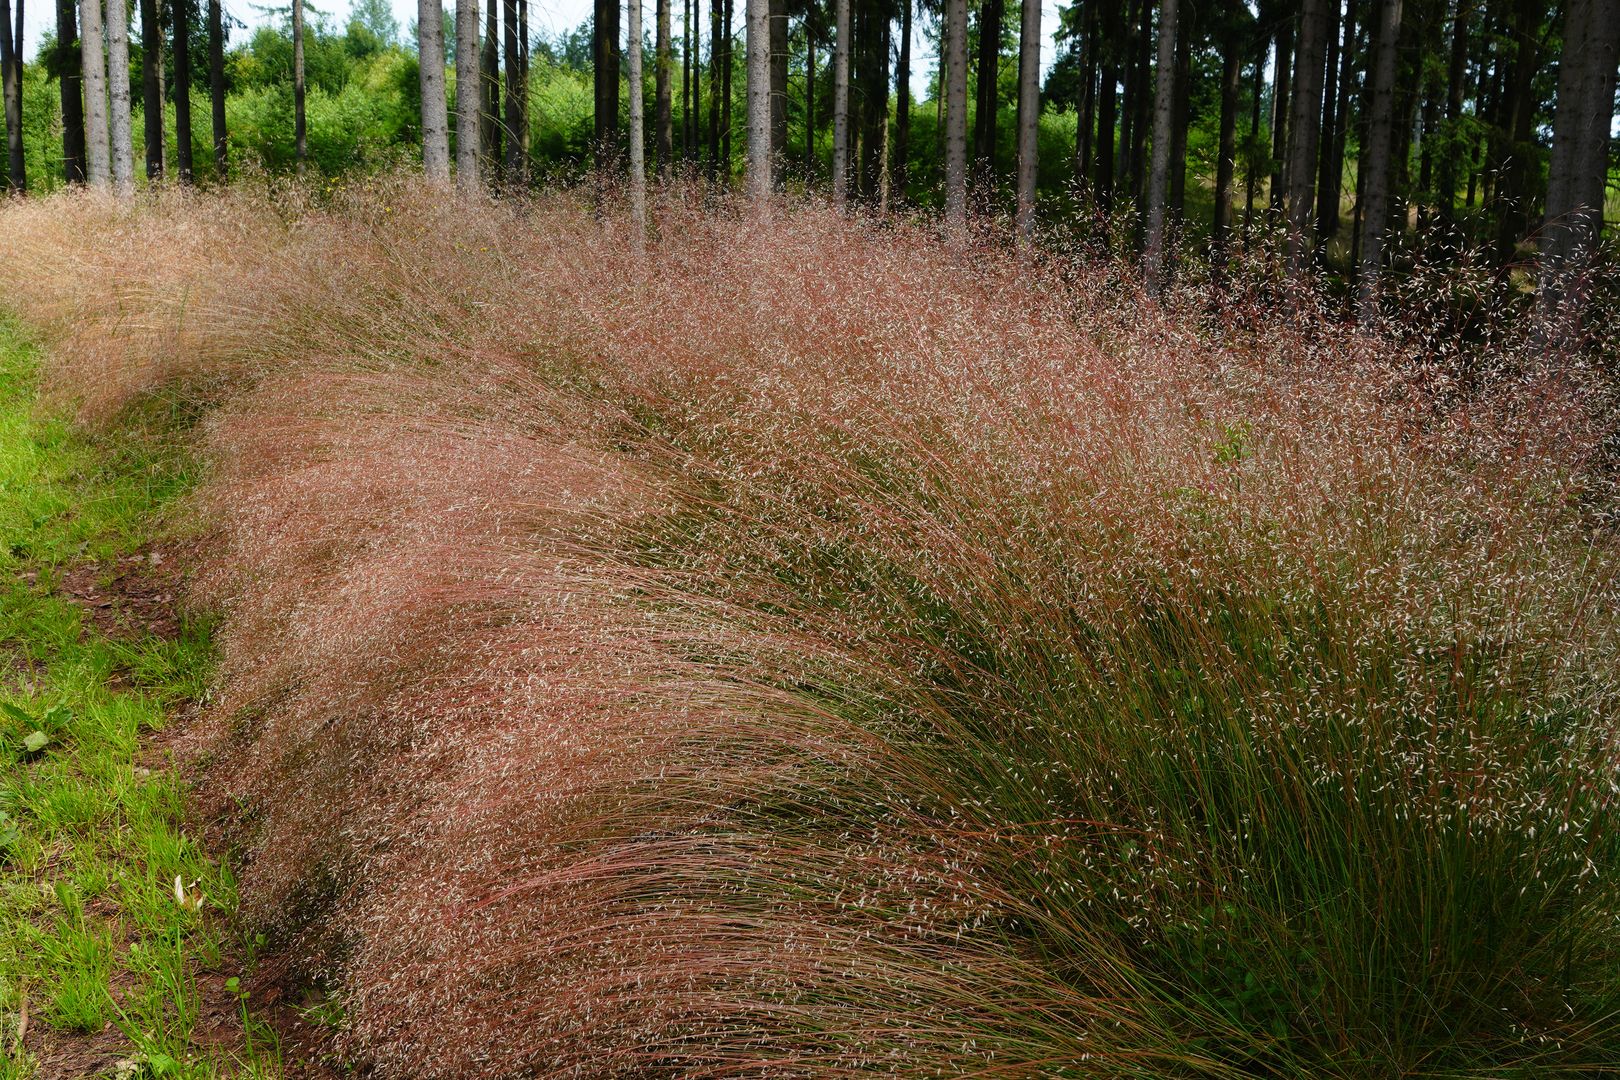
(1456, 71)
(716, 62)
(779, 89)
(516, 164)
(1180, 119)
(1281, 83)
(1514, 179)
(986, 92)
(840, 147)
(726, 43)
(1142, 110)
(900, 173)
(93, 63)
(663, 75)
(469, 95)
(123, 156)
(1164, 108)
(300, 120)
(1251, 170)
(1326, 162)
(605, 79)
(1578, 171)
(638, 135)
(1107, 103)
(1029, 112)
(489, 72)
(435, 111)
(1331, 187)
(151, 90)
(1305, 131)
(1226, 141)
(759, 101)
(686, 80)
(1086, 107)
(216, 88)
(183, 161)
(955, 116)
(1380, 135)
(11, 50)
(72, 87)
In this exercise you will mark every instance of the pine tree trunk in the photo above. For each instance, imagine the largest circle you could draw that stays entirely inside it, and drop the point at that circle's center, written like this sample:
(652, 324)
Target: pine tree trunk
(1086, 107)
(300, 120)
(758, 44)
(1107, 103)
(72, 88)
(516, 166)
(151, 90)
(93, 63)
(1142, 111)
(435, 112)
(686, 80)
(1252, 168)
(985, 94)
(840, 147)
(779, 88)
(1578, 170)
(1029, 112)
(11, 51)
(1180, 120)
(469, 95)
(1305, 126)
(638, 134)
(1326, 162)
(955, 116)
(1380, 136)
(183, 162)
(1331, 189)
(900, 173)
(123, 156)
(605, 78)
(216, 88)
(1226, 144)
(1456, 71)
(727, 50)
(1281, 84)
(1514, 182)
(663, 76)
(1164, 113)
(716, 62)
(489, 71)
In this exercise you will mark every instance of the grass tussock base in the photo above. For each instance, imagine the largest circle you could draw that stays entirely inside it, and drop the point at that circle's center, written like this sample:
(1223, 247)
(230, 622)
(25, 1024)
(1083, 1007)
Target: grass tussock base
(808, 649)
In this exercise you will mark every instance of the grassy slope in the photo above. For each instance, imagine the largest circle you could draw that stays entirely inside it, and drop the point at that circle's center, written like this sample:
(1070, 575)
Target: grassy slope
(99, 960)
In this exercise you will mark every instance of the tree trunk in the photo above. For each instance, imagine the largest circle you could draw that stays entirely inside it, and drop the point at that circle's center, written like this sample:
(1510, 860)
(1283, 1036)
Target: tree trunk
(698, 139)
(435, 110)
(1305, 131)
(1107, 103)
(123, 156)
(716, 63)
(901, 171)
(1331, 188)
(759, 101)
(11, 49)
(1380, 135)
(93, 63)
(779, 89)
(1251, 170)
(72, 87)
(663, 77)
(1029, 112)
(840, 147)
(1086, 107)
(183, 162)
(1281, 84)
(523, 88)
(300, 122)
(605, 79)
(469, 95)
(810, 99)
(726, 43)
(151, 91)
(985, 97)
(1124, 167)
(1226, 142)
(955, 115)
(216, 88)
(1456, 72)
(1578, 171)
(638, 135)
(489, 72)
(1180, 119)
(1164, 111)
(1142, 110)
(686, 80)
(1326, 162)
(1514, 182)
(515, 164)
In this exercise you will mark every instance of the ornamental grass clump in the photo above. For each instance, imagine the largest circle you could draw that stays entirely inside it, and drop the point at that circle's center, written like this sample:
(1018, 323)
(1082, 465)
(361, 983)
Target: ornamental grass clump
(805, 648)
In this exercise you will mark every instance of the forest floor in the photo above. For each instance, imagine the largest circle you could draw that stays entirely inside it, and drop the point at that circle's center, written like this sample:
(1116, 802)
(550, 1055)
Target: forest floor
(118, 952)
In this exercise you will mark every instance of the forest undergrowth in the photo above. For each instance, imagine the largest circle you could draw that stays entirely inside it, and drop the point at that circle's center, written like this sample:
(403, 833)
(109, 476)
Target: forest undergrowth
(804, 647)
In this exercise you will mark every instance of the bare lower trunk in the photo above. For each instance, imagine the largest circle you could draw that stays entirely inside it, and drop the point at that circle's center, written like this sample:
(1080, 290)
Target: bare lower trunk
(1226, 145)
(11, 45)
(759, 101)
(72, 87)
(1380, 135)
(1164, 92)
(515, 163)
(840, 147)
(489, 69)
(435, 112)
(779, 88)
(182, 91)
(1029, 112)
(900, 171)
(638, 139)
(300, 121)
(93, 64)
(468, 93)
(664, 142)
(956, 116)
(123, 152)
(151, 87)
(1304, 131)
(216, 87)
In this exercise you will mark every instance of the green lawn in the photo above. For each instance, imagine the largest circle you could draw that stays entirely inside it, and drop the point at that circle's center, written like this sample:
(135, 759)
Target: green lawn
(107, 965)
